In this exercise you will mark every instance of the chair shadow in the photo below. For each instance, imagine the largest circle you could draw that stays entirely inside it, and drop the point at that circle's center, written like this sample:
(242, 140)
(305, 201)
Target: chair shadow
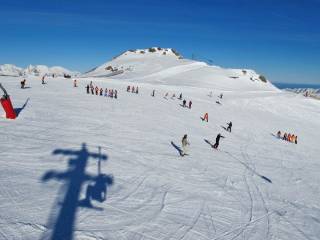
(63, 215)
(18, 110)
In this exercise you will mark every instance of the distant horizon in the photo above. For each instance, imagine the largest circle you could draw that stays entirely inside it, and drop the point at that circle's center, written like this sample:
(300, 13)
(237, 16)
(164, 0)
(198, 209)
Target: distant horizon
(276, 39)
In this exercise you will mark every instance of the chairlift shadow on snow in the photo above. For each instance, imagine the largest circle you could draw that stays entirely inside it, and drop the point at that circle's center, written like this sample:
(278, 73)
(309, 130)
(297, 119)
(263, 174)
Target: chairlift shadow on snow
(207, 141)
(18, 110)
(63, 215)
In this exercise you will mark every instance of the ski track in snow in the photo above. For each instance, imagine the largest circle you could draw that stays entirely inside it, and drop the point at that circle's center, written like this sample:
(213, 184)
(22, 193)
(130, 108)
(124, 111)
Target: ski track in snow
(156, 194)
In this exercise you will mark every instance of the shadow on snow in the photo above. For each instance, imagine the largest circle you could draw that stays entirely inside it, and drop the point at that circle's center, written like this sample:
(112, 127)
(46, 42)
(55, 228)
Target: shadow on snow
(63, 216)
(18, 110)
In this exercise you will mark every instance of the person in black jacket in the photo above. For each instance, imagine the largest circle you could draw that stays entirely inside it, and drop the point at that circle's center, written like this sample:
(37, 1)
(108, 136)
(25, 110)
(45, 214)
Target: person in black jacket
(216, 145)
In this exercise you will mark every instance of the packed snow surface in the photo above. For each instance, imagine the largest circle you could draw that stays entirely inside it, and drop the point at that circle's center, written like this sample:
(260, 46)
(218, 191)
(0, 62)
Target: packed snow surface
(254, 186)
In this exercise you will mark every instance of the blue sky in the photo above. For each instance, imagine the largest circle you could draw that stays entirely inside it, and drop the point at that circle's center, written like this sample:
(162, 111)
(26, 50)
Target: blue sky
(278, 38)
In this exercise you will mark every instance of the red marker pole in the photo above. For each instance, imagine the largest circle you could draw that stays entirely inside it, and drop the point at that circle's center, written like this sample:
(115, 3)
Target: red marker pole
(7, 105)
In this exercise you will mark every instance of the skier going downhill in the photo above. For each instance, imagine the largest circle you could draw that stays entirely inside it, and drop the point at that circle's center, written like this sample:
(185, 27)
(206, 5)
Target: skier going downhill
(229, 126)
(185, 143)
(216, 145)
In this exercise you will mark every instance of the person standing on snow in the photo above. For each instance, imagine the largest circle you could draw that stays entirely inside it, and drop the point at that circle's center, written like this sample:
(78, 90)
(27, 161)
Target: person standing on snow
(180, 97)
(75, 83)
(23, 83)
(185, 143)
(88, 88)
(184, 102)
(137, 90)
(97, 90)
(229, 126)
(115, 94)
(153, 92)
(279, 134)
(216, 145)
(190, 103)
(101, 92)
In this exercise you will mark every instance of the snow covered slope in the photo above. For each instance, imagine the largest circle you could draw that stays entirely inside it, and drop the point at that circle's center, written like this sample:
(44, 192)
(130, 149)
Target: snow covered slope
(10, 70)
(311, 92)
(254, 187)
(166, 66)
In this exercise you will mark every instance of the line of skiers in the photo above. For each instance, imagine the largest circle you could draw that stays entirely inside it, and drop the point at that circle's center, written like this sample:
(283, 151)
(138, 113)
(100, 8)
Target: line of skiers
(288, 137)
(133, 89)
(113, 93)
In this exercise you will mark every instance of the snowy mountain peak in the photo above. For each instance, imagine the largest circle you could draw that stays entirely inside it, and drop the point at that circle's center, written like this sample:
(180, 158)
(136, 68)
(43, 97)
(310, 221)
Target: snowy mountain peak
(152, 51)
(10, 70)
(36, 70)
(166, 66)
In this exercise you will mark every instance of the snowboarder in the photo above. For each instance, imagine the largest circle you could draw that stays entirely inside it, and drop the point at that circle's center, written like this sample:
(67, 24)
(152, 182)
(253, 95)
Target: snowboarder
(153, 92)
(180, 97)
(88, 88)
(190, 103)
(75, 83)
(229, 126)
(216, 145)
(184, 103)
(185, 143)
(205, 117)
(23, 83)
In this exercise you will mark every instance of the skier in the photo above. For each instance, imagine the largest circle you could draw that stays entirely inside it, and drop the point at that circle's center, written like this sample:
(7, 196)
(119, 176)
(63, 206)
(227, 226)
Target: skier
(184, 103)
(92, 90)
(75, 83)
(23, 83)
(128, 89)
(137, 91)
(42, 80)
(88, 88)
(221, 95)
(101, 92)
(106, 92)
(190, 103)
(289, 137)
(132, 89)
(115, 94)
(279, 134)
(153, 92)
(205, 117)
(184, 145)
(229, 126)
(180, 97)
(97, 90)
(296, 140)
(216, 145)
(111, 95)
(285, 137)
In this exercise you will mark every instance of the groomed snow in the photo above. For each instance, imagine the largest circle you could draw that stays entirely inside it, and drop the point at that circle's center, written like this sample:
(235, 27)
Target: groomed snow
(254, 187)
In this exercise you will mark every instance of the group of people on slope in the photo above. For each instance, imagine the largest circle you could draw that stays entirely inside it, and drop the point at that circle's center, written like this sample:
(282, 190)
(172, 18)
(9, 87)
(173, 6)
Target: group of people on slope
(133, 89)
(288, 137)
(113, 93)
